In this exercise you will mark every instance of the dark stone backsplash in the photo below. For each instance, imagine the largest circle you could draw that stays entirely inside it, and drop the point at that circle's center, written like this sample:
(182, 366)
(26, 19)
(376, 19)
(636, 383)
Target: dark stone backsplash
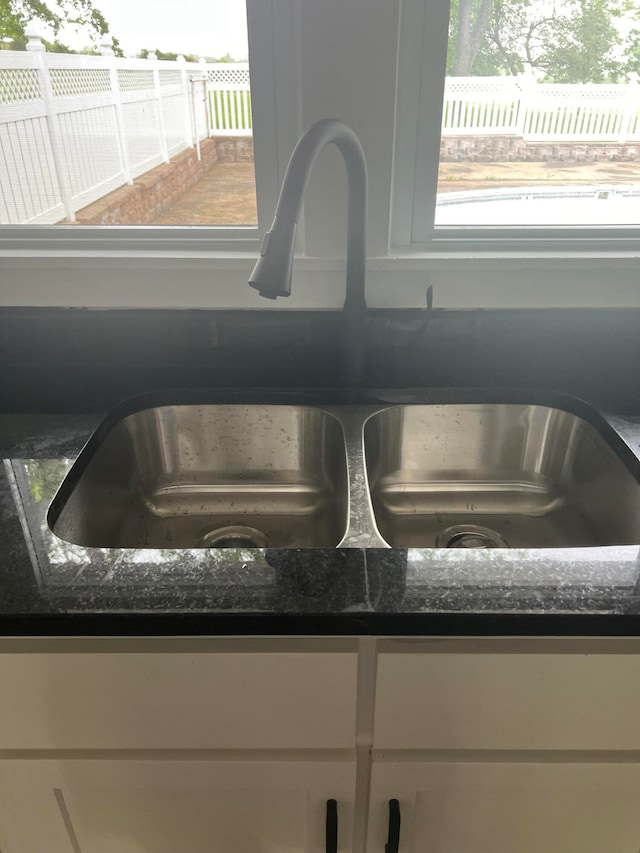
(66, 360)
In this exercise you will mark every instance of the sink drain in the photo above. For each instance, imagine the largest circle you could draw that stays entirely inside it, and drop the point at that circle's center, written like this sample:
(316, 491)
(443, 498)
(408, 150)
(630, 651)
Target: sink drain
(235, 536)
(470, 536)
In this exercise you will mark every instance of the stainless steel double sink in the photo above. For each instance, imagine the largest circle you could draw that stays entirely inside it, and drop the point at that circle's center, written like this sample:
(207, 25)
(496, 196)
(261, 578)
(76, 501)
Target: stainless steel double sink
(450, 475)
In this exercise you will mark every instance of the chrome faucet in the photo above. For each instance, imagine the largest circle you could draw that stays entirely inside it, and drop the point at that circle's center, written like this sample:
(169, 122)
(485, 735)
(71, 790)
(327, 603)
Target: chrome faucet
(271, 275)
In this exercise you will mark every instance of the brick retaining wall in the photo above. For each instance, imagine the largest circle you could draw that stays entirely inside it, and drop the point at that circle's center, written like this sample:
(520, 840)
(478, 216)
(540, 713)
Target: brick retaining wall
(504, 149)
(150, 193)
(234, 149)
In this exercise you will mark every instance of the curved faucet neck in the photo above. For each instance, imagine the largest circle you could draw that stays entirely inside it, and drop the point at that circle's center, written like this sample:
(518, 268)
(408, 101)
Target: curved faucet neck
(280, 239)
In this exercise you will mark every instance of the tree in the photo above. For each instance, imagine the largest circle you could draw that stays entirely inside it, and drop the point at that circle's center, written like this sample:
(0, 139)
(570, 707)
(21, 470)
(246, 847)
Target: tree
(472, 19)
(163, 54)
(190, 57)
(16, 15)
(578, 47)
(572, 41)
(632, 53)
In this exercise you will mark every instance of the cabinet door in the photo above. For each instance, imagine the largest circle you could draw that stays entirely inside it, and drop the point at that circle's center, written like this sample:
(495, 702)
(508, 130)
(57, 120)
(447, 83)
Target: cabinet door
(507, 807)
(203, 806)
(30, 819)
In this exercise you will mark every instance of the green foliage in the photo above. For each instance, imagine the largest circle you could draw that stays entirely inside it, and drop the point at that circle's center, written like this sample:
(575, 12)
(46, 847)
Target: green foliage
(44, 476)
(632, 53)
(190, 57)
(574, 41)
(163, 54)
(584, 46)
(56, 47)
(15, 15)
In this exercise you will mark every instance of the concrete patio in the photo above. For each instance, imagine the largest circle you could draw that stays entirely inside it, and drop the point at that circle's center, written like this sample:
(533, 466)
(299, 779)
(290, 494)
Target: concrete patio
(224, 195)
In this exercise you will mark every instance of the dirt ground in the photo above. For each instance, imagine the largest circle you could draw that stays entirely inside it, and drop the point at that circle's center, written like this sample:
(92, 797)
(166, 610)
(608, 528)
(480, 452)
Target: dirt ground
(454, 177)
(227, 196)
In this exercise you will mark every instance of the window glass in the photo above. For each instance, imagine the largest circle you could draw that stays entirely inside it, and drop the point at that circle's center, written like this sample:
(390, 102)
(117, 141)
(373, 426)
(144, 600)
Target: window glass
(115, 112)
(541, 114)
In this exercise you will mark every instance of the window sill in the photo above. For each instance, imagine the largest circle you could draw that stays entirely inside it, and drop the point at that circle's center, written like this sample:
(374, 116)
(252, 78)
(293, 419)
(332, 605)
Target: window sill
(116, 241)
(473, 278)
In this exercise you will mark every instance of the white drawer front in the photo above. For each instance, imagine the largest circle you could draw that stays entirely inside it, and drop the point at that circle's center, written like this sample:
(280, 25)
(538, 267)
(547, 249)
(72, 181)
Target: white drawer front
(507, 701)
(189, 701)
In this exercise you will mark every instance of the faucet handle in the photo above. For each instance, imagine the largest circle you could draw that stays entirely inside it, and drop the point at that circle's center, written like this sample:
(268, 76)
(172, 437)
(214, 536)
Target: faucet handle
(265, 244)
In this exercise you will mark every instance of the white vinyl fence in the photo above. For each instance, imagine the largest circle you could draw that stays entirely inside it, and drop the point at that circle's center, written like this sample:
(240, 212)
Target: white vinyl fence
(73, 127)
(541, 111)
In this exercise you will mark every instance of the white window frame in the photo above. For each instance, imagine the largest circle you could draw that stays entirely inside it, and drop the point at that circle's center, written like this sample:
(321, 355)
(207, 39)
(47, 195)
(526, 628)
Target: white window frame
(274, 58)
(422, 57)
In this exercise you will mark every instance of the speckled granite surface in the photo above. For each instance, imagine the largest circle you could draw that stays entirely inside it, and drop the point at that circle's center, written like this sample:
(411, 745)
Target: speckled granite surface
(48, 587)
(62, 360)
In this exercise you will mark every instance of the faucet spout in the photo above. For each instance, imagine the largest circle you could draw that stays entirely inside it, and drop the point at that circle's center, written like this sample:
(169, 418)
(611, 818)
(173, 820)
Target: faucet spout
(272, 273)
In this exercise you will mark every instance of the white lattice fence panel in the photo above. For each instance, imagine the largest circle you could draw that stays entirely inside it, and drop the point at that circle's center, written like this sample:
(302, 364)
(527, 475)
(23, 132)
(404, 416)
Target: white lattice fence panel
(29, 190)
(470, 87)
(142, 135)
(19, 85)
(90, 142)
(135, 79)
(170, 77)
(225, 74)
(71, 82)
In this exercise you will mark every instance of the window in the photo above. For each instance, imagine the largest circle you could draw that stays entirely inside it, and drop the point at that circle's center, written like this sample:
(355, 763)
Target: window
(528, 119)
(146, 124)
(380, 66)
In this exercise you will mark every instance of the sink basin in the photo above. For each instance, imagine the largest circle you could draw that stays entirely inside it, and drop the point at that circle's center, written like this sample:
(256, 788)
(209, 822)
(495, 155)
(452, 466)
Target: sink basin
(204, 476)
(497, 475)
(473, 474)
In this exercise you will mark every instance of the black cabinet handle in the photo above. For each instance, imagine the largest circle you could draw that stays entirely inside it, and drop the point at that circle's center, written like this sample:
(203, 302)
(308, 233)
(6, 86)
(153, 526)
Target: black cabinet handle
(393, 841)
(332, 826)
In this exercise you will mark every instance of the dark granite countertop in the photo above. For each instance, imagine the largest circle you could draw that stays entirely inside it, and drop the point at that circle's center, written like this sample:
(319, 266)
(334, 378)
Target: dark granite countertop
(49, 587)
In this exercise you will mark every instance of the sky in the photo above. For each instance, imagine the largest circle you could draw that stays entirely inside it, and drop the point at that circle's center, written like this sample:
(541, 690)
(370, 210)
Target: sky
(203, 27)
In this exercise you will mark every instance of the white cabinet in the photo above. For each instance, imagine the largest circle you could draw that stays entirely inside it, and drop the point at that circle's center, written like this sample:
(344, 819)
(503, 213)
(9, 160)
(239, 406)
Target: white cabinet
(507, 807)
(489, 750)
(160, 806)
(226, 746)
(236, 747)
